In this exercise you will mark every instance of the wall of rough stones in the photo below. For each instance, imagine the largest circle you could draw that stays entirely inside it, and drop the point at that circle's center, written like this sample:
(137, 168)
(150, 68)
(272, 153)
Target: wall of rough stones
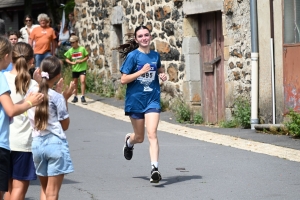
(237, 51)
(100, 23)
(104, 24)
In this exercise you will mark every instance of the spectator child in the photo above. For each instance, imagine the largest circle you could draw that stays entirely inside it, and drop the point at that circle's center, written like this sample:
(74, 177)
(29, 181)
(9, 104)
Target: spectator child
(49, 120)
(19, 81)
(13, 37)
(8, 110)
(77, 56)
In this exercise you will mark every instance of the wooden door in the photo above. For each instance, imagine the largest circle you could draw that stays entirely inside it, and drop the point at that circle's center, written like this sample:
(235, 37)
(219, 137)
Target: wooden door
(291, 53)
(212, 68)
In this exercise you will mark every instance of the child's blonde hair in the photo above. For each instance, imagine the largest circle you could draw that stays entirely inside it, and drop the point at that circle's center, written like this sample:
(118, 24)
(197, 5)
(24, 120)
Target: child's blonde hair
(21, 55)
(52, 67)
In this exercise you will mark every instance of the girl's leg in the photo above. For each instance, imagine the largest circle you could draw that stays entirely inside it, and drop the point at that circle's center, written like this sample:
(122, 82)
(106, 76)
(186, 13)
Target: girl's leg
(50, 186)
(18, 189)
(8, 193)
(151, 120)
(76, 85)
(138, 126)
(1, 194)
(82, 84)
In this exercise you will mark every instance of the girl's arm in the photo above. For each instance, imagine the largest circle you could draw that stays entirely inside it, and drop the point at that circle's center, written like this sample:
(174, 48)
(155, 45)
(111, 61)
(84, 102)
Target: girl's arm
(70, 62)
(127, 78)
(12, 109)
(83, 60)
(65, 123)
(161, 74)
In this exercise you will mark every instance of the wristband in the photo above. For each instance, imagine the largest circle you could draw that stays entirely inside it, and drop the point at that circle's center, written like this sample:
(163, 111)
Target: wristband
(29, 102)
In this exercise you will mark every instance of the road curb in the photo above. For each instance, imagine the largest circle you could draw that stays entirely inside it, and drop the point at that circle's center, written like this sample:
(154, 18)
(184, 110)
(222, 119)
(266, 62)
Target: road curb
(216, 138)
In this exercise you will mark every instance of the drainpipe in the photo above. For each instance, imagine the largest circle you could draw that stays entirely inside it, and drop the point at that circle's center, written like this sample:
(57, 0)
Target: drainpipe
(272, 60)
(254, 63)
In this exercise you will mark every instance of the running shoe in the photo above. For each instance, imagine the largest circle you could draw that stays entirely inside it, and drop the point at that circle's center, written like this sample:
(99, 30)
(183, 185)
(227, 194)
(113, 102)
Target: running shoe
(128, 151)
(155, 175)
(75, 99)
(83, 99)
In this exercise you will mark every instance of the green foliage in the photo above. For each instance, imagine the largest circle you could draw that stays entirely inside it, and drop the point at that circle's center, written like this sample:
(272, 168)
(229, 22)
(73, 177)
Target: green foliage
(293, 124)
(198, 119)
(94, 84)
(228, 124)
(242, 112)
(182, 111)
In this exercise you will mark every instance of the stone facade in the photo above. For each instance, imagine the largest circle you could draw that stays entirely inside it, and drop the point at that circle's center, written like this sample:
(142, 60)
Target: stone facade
(104, 24)
(237, 51)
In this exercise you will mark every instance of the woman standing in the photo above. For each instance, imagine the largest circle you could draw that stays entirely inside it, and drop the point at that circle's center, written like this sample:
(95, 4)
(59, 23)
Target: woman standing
(25, 31)
(140, 71)
(63, 41)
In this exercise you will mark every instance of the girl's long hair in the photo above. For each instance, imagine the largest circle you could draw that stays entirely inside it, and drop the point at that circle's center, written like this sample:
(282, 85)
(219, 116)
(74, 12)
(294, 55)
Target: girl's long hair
(52, 66)
(21, 55)
(130, 44)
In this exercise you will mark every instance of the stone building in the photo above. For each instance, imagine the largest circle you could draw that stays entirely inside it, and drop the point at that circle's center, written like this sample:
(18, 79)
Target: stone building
(205, 47)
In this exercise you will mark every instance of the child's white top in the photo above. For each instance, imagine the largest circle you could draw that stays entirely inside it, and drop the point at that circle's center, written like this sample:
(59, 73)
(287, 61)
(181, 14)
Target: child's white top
(57, 112)
(20, 130)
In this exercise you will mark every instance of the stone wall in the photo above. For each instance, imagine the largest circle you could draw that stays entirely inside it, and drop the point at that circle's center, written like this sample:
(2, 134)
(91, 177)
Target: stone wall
(101, 23)
(104, 24)
(237, 51)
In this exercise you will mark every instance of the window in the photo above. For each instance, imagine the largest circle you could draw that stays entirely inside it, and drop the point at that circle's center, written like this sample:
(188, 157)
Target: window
(208, 36)
(291, 21)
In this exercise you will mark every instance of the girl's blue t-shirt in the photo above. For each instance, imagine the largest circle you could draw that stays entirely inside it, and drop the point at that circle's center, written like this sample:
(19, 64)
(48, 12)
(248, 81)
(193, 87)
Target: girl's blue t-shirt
(4, 119)
(9, 68)
(144, 92)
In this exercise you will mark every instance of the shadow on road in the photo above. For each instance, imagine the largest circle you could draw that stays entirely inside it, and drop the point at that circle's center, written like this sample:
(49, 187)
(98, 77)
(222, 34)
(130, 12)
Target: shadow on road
(172, 179)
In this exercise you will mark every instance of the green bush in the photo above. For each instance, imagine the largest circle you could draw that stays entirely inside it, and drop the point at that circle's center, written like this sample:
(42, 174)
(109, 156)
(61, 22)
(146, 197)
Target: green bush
(293, 124)
(198, 119)
(242, 112)
(182, 111)
(228, 124)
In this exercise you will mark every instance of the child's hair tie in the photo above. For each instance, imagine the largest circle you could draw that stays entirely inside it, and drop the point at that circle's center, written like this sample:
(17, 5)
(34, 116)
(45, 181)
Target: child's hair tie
(45, 75)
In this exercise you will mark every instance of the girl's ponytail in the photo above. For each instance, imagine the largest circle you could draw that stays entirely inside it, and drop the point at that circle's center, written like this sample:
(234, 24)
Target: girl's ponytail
(50, 68)
(41, 111)
(21, 55)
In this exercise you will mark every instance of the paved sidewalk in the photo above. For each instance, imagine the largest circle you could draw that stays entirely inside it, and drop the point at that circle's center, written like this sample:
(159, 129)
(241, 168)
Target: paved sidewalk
(247, 139)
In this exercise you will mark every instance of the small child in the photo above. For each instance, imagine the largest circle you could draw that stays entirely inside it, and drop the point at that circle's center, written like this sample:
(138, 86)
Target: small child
(49, 120)
(77, 57)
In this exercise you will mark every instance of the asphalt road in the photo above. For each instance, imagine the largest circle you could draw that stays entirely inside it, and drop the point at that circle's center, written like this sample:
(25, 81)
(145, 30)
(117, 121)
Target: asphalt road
(191, 169)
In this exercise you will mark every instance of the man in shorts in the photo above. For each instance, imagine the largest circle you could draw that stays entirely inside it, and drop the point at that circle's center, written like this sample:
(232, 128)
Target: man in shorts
(77, 56)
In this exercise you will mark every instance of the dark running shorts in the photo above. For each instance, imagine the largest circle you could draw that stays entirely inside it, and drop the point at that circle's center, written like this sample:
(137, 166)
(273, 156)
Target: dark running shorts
(142, 115)
(77, 74)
